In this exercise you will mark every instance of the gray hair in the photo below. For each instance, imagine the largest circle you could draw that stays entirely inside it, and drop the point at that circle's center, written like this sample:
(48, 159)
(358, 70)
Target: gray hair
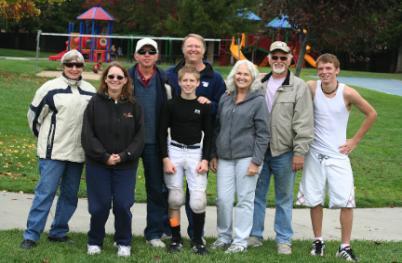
(230, 85)
(72, 55)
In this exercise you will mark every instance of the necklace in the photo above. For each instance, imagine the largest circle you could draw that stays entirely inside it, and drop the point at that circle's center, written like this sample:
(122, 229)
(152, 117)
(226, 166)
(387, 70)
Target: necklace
(332, 91)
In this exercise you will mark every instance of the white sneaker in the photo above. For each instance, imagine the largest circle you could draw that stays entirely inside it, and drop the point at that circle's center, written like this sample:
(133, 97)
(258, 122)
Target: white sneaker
(156, 243)
(123, 251)
(93, 249)
(219, 244)
(234, 248)
(284, 249)
(254, 242)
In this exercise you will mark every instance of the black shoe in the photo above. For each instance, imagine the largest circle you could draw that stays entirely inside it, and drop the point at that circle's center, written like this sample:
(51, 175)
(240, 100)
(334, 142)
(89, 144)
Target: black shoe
(27, 244)
(175, 246)
(58, 239)
(346, 253)
(199, 249)
(318, 248)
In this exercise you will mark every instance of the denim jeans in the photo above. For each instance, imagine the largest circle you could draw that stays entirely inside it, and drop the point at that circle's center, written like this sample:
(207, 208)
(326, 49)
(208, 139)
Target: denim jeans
(107, 186)
(52, 174)
(157, 194)
(232, 179)
(281, 169)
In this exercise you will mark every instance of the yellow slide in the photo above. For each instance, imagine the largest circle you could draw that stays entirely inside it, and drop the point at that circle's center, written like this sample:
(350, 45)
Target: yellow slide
(235, 49)
(310, 60)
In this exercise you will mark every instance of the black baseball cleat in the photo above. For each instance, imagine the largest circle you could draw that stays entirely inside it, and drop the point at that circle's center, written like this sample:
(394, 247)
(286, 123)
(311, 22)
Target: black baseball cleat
(175, 246)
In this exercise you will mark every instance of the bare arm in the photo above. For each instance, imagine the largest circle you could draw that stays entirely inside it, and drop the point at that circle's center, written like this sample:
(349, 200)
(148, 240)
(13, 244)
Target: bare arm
(352, 97)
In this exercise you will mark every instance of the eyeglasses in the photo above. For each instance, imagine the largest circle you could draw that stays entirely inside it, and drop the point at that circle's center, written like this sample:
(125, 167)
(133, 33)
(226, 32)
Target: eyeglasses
(119, 77)
(73, 64)
(150, 52)
(279, 57)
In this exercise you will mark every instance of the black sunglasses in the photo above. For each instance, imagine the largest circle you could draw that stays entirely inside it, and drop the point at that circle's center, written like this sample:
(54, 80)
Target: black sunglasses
(150, 52)
(279, 57)
(72, 64)
(119, 77)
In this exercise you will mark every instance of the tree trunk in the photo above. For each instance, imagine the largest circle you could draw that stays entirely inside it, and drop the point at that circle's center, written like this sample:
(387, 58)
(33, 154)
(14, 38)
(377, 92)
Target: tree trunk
(302, 52)
(399, 59)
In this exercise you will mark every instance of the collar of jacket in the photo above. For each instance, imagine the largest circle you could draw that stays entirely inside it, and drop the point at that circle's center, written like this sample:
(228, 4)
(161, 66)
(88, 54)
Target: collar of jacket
(207, 71)
(72, 82)
(107, 97)
(286, 82)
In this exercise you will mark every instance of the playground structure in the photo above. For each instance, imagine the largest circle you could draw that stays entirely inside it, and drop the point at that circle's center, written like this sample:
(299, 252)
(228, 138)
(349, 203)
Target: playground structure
(255, 46)
(92, 40)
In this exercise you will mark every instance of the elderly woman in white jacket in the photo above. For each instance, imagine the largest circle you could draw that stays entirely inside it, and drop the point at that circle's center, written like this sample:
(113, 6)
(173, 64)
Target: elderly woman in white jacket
(55, 117)
(241, 139)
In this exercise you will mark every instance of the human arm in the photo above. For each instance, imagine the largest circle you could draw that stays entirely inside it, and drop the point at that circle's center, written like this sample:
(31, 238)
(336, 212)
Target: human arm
(213, 164)
(352, 97)
(38, 109)
(202, 166)
(168, 166)
(218, 90)
(261, 133)
(134, 149)
(303, 126)
(163, 130)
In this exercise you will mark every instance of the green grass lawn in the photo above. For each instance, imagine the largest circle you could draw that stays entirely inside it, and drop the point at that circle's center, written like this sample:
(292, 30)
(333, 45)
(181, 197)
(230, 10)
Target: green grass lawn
(75, 251)
(377, 162)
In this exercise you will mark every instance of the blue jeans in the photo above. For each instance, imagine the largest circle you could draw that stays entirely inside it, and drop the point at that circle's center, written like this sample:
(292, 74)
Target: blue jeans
(233, 183)
(107, 186)
(281, 169)
(157, 194)
(52, 174)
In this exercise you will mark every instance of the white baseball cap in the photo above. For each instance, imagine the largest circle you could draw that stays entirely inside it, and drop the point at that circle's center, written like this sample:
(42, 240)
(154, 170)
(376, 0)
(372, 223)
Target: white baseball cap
(279, 45)
(146, 42)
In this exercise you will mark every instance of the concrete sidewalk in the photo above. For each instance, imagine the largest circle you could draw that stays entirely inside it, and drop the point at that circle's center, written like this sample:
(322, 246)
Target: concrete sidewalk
(369, 224)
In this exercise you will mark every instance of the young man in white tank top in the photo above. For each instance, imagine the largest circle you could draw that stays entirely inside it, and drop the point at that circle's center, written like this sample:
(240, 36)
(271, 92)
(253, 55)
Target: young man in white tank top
(327, 163)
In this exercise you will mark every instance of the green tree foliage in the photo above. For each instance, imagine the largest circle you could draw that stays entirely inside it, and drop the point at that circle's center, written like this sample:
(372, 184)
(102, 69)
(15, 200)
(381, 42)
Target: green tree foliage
(213, 18)
(340, 25)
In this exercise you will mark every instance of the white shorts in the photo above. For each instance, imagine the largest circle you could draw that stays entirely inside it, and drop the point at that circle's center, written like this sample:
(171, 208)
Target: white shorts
(186, 161)
(321, 171)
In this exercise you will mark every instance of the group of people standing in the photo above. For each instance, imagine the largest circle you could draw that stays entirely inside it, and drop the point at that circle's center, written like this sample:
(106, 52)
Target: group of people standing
(183, 123)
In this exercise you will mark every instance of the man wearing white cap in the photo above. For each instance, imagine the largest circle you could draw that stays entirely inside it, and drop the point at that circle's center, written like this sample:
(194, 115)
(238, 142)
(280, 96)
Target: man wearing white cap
(289, 103)
(152, 93)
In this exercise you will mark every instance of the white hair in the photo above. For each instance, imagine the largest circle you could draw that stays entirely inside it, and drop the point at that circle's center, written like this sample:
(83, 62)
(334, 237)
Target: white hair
(231, 86)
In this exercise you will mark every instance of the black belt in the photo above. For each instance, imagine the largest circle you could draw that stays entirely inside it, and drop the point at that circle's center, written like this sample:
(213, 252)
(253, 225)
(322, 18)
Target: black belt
(184, 146)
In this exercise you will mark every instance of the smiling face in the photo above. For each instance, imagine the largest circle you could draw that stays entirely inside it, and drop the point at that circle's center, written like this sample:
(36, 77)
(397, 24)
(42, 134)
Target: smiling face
(327, 72)
(146, 56)
(243, 78)
(73, 69)
(193, 50)
(115, 80)
(279, 62)
(188, 84)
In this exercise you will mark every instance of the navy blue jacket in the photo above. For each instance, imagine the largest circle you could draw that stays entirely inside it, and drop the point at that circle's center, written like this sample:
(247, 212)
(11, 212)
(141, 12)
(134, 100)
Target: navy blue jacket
(211, 86)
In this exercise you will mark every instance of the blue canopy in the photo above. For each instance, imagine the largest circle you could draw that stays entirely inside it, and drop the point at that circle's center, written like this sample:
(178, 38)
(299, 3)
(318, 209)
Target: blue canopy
(279, 22)
(248, 15)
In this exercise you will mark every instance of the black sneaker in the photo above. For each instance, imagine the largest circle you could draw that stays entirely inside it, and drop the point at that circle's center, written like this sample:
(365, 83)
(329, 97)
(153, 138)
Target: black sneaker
(175, 246)
(318, 248)
(199, 249)
(346, 253)
(27, 244)
(58, 239)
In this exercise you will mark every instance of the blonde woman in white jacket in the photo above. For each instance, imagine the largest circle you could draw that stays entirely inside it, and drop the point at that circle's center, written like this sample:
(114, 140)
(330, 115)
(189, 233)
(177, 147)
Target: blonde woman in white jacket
(55, 117)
